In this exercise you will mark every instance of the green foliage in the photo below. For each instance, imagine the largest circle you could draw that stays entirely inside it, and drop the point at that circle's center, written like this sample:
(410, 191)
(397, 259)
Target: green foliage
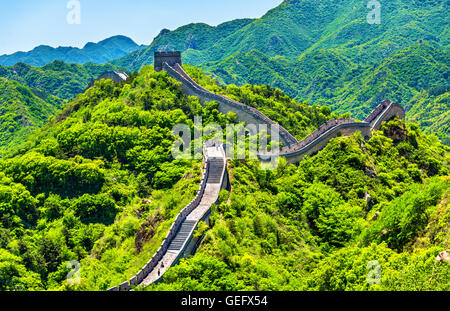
(431, 111)
(327, 53)
(30, 95)
(348, 269)
(403, 219)
(22, 111)
(98, 185)
(318, 226)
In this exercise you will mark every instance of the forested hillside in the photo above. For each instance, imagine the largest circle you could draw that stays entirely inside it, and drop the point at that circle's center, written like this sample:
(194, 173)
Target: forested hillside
(30, 95)
(431, 110)
(98, 185)
(324, 51)
(100, 53)
(56, 78)
(22, 111)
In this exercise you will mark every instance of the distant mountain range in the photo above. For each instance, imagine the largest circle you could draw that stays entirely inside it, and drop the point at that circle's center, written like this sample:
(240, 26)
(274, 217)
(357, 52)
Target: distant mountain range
(99, 53)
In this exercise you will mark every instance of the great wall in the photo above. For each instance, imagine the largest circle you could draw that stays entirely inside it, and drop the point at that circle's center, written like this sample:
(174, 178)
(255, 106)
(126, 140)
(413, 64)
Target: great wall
(180, 241)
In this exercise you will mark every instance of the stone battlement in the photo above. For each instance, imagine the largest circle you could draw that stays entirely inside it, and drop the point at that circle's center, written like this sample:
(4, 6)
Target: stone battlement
(294, 150)
(245, 113)
(171, 57)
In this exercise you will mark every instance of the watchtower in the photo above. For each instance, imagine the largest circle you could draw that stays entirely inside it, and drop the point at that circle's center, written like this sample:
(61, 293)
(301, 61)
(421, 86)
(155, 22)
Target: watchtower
(170, 58)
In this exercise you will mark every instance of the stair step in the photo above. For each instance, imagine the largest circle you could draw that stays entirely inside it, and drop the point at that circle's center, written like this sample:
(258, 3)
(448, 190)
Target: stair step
(182, 235)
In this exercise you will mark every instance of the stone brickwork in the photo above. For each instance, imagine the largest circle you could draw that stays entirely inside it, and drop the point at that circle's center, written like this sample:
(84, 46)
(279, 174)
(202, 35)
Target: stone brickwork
(294, 150)
(209, 191)
(171, 58)
(116, 76)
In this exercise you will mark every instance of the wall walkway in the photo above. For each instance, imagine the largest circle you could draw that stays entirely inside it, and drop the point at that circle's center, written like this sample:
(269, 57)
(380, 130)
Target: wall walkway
(177, 241)
(294, 150)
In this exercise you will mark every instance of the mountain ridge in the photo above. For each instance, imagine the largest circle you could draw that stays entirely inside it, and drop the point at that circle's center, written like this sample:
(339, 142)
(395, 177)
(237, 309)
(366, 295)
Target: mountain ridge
(101, 52)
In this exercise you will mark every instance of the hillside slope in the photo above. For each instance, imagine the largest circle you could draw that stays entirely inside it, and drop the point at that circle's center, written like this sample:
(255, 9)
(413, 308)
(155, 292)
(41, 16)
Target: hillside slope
(30, 95)
(56, 78)
(431, 110)
(22, 111)
(98, 185)
(302, 26)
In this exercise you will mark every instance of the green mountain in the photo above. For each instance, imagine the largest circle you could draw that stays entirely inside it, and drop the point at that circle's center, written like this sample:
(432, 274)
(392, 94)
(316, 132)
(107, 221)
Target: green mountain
(197, 36)
(30, 95)
(98, 185)
(301, 26)
(100, 53)
(56, 78)
(22, 111)
(323, 51)
(431, 110)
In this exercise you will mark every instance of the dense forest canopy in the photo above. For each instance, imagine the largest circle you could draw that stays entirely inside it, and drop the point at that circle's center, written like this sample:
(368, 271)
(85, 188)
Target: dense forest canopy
(88, 180)
(98, 185)
(30, 95)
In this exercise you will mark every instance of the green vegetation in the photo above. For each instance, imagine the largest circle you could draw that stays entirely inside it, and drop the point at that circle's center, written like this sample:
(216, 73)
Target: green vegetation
(22, 111)
(98, 185)
(56, 78)
(75, 190)
(325, 52)
(30, 95)
(431, 110)
(321, 225)
(95, 181)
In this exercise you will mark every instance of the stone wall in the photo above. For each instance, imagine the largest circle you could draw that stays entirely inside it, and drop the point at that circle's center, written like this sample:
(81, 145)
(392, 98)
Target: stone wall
(171, 58)
(117, 77)
(246, 114)
(153, 262)
(294, 150)
(392, 110)
(193, 242)
(333, 128)
(295, 155)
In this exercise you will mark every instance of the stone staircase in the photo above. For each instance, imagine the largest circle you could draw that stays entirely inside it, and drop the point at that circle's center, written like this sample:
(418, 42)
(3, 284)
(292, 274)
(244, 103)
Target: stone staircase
(183, 234)
(215, 170)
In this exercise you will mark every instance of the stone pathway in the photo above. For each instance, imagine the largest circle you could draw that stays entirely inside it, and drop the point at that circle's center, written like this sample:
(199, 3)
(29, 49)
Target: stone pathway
(211, 195)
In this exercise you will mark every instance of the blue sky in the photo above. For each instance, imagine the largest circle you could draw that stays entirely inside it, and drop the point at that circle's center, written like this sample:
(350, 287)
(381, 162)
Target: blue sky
(25, 24)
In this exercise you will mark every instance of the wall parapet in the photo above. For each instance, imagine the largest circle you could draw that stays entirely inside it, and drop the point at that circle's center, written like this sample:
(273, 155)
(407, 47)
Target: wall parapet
(179, 74)
(180, 218)
(324, 133)
(292, 146)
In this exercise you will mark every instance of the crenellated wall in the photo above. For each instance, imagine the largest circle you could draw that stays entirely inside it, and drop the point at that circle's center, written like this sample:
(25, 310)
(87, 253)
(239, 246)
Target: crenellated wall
(246, 114)
(390, 110)
(197, 210)
(344, 127)
(318, 141)
(153, 262)
(294, 150)
(171, 58)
